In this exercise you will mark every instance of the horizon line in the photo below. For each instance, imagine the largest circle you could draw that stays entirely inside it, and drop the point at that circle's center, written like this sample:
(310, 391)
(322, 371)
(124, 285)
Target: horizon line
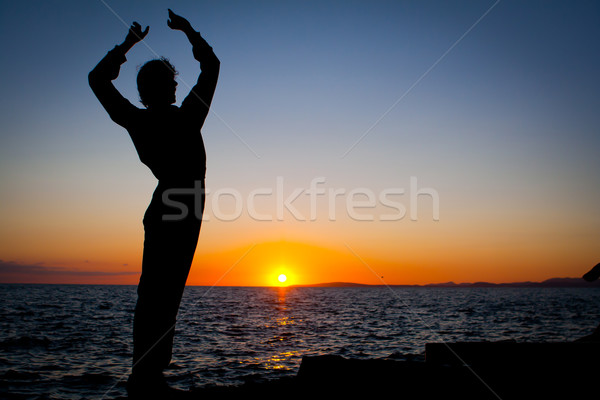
(578, 280)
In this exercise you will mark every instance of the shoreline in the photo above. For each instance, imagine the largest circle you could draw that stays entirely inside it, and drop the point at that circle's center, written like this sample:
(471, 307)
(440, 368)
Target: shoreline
(465, 370)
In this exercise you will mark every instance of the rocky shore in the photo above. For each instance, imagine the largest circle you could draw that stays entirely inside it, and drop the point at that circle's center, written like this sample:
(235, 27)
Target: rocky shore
(478, 370)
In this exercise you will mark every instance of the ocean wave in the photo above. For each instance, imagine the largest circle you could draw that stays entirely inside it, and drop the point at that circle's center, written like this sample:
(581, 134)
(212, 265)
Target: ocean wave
(24, 342)
(82, 345)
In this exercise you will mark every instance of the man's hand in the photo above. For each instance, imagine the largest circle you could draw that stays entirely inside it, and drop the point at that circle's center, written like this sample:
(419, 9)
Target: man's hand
(135, 34)
(179, 23)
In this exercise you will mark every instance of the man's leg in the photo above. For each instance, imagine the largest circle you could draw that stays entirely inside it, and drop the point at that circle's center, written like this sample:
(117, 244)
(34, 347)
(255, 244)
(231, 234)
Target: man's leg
(168, 252)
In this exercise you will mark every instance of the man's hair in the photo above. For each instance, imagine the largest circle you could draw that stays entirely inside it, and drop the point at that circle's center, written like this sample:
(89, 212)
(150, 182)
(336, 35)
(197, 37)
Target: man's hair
(151, 78)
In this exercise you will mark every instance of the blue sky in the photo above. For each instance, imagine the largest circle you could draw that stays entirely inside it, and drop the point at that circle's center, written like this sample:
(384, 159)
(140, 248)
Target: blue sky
(505, 127)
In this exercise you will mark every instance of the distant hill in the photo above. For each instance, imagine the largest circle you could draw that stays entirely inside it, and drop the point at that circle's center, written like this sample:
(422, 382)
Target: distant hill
(333, 284)
(548, 283)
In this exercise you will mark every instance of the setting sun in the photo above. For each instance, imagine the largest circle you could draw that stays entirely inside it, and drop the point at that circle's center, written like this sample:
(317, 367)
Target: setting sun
(282, 278)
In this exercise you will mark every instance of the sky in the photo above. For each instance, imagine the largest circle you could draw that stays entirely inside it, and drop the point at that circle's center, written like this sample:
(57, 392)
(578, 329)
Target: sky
(441, 141)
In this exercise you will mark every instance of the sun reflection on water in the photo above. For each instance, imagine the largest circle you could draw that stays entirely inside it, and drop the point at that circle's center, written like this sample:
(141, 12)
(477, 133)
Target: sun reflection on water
(281, 361)
(281, 345)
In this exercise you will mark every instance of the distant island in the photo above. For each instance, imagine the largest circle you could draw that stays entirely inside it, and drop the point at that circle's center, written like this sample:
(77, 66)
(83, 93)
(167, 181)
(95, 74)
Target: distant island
(334, 284)
(548, 283)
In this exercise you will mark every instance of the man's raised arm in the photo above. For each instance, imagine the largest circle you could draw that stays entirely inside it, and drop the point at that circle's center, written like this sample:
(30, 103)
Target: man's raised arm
(201, 95)
(101, 77)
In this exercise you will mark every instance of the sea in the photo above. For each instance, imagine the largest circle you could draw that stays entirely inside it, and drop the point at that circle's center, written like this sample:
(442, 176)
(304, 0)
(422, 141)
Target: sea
(74, 341)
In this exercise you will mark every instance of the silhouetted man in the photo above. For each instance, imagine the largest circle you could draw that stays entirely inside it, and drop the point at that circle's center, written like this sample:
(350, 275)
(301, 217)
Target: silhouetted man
(168, 140)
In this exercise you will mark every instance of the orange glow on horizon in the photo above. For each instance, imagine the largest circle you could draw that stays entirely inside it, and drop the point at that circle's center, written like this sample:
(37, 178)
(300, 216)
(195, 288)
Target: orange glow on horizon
(262, 264)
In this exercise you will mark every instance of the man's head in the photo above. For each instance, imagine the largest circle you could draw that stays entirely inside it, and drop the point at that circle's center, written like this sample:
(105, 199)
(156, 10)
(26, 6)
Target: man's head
(156, 83)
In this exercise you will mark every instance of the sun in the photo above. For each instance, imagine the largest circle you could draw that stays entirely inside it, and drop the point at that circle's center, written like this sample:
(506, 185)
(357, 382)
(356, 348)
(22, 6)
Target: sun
(282, 278)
